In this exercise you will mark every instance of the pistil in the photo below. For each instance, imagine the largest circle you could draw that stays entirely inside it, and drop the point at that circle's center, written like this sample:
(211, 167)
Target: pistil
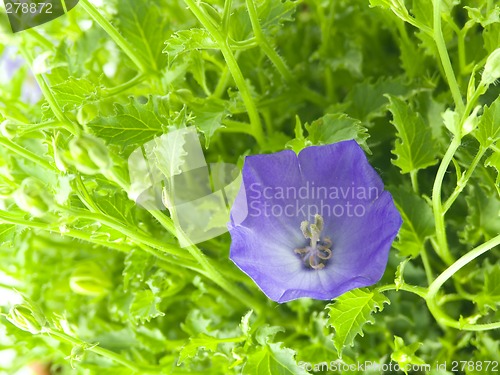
(319, 251)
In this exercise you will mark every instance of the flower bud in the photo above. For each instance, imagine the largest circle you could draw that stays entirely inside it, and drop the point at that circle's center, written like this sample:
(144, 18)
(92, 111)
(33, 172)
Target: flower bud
(471, 122)
(87, 113)
(88, 279)
(31, 197)
(27, 317)
(492, 68)
(89, 154)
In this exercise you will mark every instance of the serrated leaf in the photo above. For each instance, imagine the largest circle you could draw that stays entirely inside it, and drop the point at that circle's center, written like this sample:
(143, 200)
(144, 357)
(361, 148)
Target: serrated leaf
(483, 218)
(488, 129)
(333, 128)
(418, 222)
(188, 40)
(272, 359)
(274, 13)
(414, 148)
(74, 92)
(208, 119)
(144, 307)
(494, 161)
(195, 343)
(490, 17)
(137, 264)
(134, 123)
(266, 333)
(489, 297)
(350, 312)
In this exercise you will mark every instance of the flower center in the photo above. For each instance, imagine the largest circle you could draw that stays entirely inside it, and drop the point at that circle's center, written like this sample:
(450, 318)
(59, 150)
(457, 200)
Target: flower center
(319, 251)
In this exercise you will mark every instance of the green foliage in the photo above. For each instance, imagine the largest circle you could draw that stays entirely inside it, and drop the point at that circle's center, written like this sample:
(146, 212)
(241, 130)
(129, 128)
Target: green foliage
(418, 222)
(414, 147)
(350, 312)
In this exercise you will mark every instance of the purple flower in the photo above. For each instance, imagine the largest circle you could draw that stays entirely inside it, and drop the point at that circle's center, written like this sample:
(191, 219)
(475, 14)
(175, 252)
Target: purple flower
(316, 225)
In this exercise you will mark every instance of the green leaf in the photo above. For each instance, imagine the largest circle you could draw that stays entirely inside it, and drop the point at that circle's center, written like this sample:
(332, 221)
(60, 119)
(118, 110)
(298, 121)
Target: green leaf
(137, 264)
(418, 222)
(208, 118)
(272, 359)
(350, 312)
(405, 355)
(488, 130)
(195, 343)
(490, 17)
(483, 218)
(134, 123)
(144, 307)
(333, 128)
(367, 100)
(414, 148)
(188, 40)
(494, 162)
(489, 297)
(272, 14)
(144, 25)
(74, 92)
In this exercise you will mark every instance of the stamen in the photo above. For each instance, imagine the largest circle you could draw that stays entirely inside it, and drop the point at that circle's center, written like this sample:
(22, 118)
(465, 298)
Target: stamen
(319, 251)
(324, 250)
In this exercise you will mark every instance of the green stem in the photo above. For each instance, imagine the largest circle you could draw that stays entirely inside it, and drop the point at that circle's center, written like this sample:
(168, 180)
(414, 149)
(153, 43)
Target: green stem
(414, 180)
(442, 243)
(106, 93)
(27, 154)
(205, 263)
(418, 290)
(232, 126)
(427, 265)
(434, 288)
(445, 58)
(264, 44)
(114, 34)
(61, 336)
(462, 182)
(233, 67)
(134, 235)
(47, 93)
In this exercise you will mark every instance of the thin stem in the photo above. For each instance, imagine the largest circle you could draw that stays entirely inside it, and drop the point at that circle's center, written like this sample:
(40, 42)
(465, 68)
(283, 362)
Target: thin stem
(418, 290)
(123, 87)
(414, 180)
(434, 288)
(445, 58)
(232, 126)
(61, 336)
(427, 265)
(114, 34)
(134, 235)
(27, 154)
(47, 93)
(233, 67)
(462, 182)
(205, 263)
(264, 44)
(442, 243)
